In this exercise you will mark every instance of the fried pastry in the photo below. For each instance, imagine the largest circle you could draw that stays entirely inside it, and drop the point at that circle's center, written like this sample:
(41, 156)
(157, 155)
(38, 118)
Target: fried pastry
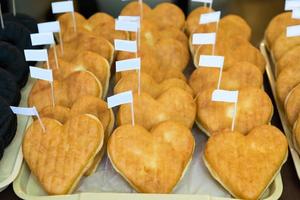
(234, 50)
(174, 104)
(277, 26)
(288, 78)
(246, 165)
(66, 92)
(254, 108)
(292, 105)
(296, 135)
(133, 9)
(290, 58)
(230, 26)
(149, 85)
(151, 162)
(84, 61)
(239, 76)
(192, 21)
(175, 34)
(101, 24)
(75, 143)
(85, 105)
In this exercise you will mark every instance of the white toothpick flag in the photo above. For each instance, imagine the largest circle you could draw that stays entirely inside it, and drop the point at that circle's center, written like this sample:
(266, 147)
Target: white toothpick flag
(204, 38)
(63, 7)
(36, 55)
(213, 61)
(28, 112)
(291, 4)
(296, 13)
(136, 19)
(45, 39)
(228, 97)
(42, 74)
(126, 45)
(211, 17)
(205, 2)
(123, 25)
(293, 31)
(53, 27)
(122, 98)
(129, 64)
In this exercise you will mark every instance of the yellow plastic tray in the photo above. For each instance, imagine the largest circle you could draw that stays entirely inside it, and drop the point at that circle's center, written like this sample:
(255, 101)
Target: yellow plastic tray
(270, 72)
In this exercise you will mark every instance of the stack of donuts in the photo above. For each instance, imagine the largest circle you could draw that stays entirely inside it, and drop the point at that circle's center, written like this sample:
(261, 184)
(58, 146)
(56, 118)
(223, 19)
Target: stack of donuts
(285, 54)
(14, 38)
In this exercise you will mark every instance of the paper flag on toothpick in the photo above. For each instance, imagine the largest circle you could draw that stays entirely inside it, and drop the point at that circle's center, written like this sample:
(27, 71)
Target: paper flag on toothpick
(122, 98)
(42, 74)
(28, 112)
(126, 45)
(36, 54)
(42, 39)
(296, 13)
(129, 64)
(228, 97)
(130, 19)
(62, 7)
(48, 27)
(291, 4)
(203, 1)
(293, 31)
(204, 38)
(211, 17)
(123, 25)
(211, 61)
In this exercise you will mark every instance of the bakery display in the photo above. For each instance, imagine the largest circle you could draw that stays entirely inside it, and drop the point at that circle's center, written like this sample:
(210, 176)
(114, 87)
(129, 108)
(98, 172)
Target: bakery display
(73, 145)
(246, 165)
(143, 157)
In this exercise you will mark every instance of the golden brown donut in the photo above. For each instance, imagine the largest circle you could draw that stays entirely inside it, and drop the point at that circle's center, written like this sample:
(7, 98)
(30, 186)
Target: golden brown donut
(292, 105)
(290, 58)
(133, 9)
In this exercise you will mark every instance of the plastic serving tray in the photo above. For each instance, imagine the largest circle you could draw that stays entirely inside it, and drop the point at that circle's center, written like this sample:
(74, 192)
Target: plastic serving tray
(270, 72)
(27, 187)
(12, 159)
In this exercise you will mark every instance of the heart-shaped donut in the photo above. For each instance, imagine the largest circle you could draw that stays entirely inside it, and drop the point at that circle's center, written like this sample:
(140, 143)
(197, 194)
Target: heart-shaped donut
(85, 105)
(174, 104)
(292, 105)
(234, 50)
(155, 161)
(246, 165)
(151, 63)
(288, 78)
(277, 26)
(83, 41)
(101, 24)
(84, 61)
(229, 26)
(149, 85)
(66, 92)
(289, 59)
(60, 156)
(254, 108)
(133, 9)
(241, 75)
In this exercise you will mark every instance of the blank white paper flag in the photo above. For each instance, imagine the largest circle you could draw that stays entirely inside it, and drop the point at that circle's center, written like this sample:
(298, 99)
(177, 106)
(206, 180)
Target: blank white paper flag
(210, 17)
(42, 74)
(204, 38)
(24, 111)
(47, 27)
(296, 13)
(126, 45)
(42, 38)
(225, 96)
(293, 31)
(62, 7)
(119, 99)
(203, 1)
(36, 54)
(129, 64)
(291, 4)
(122, 25)
(211, 61)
